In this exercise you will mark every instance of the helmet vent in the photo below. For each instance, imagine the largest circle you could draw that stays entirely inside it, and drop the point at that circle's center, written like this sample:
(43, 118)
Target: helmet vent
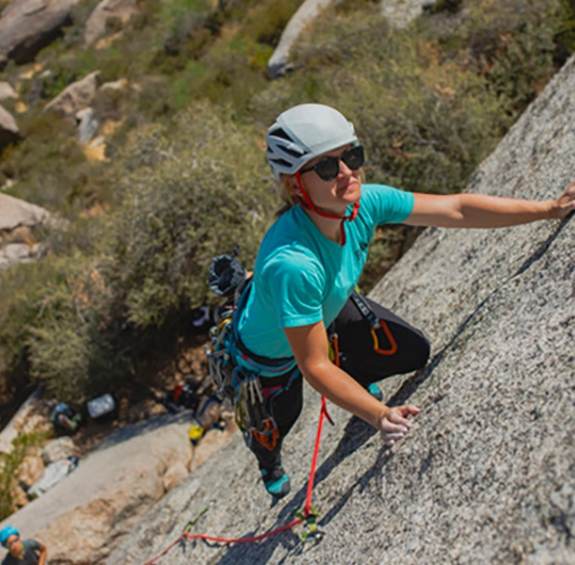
(280, 133)
(295, 154)
(281, 162)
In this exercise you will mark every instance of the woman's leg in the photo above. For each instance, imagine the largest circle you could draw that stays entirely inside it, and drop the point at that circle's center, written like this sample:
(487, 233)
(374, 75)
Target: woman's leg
(357, 352)
(284, 404)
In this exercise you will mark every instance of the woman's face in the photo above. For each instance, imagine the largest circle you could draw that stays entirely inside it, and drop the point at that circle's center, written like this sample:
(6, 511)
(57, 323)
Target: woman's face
(333, 195)
(14, 545)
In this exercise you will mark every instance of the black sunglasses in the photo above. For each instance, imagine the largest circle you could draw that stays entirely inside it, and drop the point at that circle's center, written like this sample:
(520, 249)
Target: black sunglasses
(328, 167)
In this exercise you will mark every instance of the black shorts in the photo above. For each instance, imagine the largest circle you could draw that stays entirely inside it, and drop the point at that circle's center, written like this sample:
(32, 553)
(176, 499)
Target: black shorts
(402, 348)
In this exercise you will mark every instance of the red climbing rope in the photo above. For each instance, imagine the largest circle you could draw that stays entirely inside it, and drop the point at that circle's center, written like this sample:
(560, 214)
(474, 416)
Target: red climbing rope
(307, 511)
(323, 414)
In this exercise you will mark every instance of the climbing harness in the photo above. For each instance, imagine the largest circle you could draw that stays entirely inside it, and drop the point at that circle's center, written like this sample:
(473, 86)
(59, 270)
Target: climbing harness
(307, 517)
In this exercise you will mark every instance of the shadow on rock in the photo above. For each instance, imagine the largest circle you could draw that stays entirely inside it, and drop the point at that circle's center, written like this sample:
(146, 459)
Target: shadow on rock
(129, 432)
(356, 434)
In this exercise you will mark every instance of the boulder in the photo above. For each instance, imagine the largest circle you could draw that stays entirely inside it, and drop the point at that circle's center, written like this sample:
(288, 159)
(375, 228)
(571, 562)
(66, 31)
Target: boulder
(83, 516)
(278, 64)
(15, 213)
(9, 132)
(400, 13)
(75, 97)
(19, 253)
(486, 474)
(6, 91)
(59, 449)
(28, 25)
(106, 12)
(17, 243)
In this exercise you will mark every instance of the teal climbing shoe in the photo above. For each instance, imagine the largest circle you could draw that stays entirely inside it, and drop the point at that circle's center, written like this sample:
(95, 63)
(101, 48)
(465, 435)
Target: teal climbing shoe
(276, 481)
(375, 391)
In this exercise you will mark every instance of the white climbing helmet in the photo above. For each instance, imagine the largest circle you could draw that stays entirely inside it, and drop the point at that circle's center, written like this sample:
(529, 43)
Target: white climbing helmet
(304, 132)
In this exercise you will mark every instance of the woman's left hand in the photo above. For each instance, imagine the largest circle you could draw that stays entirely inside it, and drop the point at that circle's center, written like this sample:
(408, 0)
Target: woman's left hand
(565, 204)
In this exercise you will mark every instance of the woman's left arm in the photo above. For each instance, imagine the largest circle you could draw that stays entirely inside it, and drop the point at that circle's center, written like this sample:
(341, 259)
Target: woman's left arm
(43, 554)
(482, 211)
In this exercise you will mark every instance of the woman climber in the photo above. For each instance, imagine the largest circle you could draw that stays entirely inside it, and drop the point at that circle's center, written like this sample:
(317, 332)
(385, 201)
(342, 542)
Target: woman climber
(301, 294)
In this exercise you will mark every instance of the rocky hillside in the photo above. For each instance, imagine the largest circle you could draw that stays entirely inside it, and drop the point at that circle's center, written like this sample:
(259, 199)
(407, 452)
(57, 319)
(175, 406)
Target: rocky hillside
(487, 474)
(136, 120)
(136, 126)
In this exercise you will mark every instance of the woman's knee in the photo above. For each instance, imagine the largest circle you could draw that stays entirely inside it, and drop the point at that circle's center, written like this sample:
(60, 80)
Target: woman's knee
(423, 352)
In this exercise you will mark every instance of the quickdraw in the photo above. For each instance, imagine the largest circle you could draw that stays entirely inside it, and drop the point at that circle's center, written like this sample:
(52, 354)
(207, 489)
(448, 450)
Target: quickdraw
(252, 414)
(219, 360)
(311, 531)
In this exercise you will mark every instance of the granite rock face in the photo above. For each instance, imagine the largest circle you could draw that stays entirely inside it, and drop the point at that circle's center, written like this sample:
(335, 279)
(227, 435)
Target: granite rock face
(487, 474)
(28, 25)
(75, 97)
(85, 514)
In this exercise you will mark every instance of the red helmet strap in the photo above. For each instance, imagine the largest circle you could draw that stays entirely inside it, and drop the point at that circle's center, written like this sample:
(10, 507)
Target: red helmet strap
(307, 202)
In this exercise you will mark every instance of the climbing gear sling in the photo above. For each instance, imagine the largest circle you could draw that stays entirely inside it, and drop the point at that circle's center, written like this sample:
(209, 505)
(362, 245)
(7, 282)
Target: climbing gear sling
(236, 371)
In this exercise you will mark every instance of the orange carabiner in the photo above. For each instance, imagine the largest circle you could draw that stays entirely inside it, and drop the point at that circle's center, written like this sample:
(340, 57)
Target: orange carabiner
(269, 436)
(392, 343)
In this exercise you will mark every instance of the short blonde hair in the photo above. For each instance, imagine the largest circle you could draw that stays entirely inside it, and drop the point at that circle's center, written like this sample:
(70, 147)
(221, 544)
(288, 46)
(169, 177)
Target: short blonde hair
(283, 190)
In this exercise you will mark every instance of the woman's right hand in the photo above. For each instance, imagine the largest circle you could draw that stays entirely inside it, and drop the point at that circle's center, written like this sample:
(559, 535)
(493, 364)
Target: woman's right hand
(394, 425)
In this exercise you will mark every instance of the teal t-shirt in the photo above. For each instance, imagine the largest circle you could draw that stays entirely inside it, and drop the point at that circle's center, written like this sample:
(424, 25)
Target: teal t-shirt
(302, 277)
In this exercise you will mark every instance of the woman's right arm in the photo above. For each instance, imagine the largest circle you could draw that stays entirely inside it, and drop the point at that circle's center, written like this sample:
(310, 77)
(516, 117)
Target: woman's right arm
(310, 348)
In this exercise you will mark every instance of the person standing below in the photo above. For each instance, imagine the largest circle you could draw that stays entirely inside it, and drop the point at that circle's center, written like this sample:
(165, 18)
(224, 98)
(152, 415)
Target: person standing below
(21, 552)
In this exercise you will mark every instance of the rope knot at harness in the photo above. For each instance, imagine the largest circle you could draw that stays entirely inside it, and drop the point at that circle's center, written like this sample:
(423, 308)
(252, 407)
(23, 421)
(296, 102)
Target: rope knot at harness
(307, 516)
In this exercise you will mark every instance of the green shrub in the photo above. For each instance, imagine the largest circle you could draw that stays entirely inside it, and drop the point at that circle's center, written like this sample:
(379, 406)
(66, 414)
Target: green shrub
(9, 465)
(513, 44)
(565, 32)
(208, 191)
(49, 166)
(425, 123)
(429, 104)
(23, 288)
